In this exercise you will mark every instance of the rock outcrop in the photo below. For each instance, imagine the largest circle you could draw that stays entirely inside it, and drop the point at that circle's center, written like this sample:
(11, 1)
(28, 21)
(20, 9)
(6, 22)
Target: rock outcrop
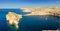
(13, 18)
(55, 11)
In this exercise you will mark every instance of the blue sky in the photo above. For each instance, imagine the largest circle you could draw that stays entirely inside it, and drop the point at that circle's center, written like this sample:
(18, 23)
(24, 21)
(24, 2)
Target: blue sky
(28, 3)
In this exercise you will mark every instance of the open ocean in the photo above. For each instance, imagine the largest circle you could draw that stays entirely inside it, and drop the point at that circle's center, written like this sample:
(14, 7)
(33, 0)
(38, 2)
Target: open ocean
(29, 23)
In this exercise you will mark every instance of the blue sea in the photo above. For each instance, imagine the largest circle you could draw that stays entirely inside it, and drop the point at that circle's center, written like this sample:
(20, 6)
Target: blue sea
(29, 23)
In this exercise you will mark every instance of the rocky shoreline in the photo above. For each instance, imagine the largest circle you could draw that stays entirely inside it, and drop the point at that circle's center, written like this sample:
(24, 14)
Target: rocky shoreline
(53, 11)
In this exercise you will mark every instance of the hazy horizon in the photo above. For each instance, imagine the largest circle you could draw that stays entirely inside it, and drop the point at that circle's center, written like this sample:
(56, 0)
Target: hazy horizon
(29, 3)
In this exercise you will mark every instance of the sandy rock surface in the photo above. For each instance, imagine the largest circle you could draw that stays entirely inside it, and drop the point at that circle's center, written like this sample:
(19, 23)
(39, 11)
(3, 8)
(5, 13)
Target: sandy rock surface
(13, 18)
(55, 11)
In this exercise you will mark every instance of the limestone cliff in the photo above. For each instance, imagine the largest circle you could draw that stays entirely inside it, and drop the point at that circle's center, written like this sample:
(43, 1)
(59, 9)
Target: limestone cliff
(13, 18)
(55, 11)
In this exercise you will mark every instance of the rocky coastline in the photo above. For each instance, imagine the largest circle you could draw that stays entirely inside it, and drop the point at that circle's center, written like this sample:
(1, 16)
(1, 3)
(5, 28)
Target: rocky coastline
(53, 11)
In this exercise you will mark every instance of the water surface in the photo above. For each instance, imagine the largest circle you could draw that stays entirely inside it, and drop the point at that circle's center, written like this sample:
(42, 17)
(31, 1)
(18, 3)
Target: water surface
(29, 23)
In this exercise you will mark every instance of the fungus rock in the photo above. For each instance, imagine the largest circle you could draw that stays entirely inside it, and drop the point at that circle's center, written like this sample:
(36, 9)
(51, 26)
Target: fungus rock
(13, 18)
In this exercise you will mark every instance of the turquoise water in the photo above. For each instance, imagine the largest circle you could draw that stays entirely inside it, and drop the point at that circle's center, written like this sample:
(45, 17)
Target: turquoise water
(29, 23)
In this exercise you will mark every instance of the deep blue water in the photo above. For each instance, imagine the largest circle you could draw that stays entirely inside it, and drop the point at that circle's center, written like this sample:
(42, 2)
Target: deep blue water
(29, 23)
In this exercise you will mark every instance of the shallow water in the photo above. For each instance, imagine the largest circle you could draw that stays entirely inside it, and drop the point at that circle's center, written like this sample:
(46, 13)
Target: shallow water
(29, 23)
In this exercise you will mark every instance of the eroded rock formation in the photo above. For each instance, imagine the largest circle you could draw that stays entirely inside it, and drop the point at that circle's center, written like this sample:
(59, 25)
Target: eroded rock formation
(13, 18)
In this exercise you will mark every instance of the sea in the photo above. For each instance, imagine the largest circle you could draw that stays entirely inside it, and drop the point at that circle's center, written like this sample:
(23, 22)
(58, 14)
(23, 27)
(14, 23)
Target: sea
(29, 23)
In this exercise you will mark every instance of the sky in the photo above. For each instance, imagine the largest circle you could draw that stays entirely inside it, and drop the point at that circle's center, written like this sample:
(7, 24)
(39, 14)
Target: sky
(28, 3)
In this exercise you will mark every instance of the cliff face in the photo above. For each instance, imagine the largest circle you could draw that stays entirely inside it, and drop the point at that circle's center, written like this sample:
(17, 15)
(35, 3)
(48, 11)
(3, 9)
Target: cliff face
(13, 18)
(55, 11)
